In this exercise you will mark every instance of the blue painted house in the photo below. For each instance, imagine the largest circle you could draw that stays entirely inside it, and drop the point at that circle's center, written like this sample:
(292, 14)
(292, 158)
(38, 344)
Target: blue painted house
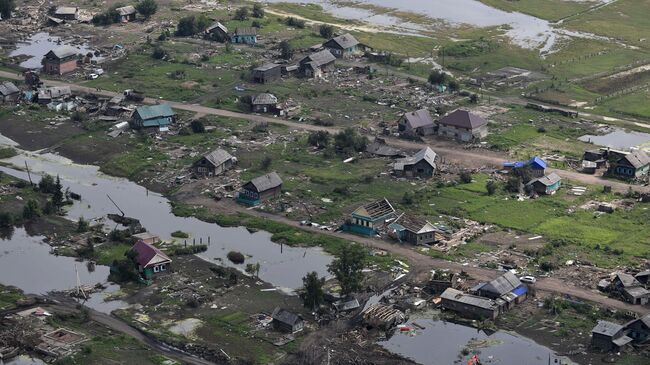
(259, 189)
(545, 185)
(159, 116)
(245, 35)
(536, 165)
(367, 219)
(631, 166)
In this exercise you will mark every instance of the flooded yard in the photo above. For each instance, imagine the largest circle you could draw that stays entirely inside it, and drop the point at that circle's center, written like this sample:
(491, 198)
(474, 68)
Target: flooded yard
(619, 139)
(445, 343)
(281, 266)
(36, 46)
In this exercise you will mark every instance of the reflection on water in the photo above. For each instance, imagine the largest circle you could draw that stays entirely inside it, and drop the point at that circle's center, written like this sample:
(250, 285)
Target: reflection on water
(38, 45)
(619, 139)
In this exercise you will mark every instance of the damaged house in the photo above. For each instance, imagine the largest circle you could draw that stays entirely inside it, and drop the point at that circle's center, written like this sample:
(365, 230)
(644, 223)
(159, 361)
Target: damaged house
(261, 188)
(422, 164)
(545, 185)
(264, 103)
(127, 13)
(316, 64)
(417, 123)
(463, 126)
(506, 290)
(267, 72)
(150, 259)
(367, 219)
(414, 230)
(60, 60)
(217, 32)
(379, 147)
(66, 13)
(468, 305)
(608, 336)
(214, 163)
(154, 116)
(53, 94)
(629, 288)
(9, 92)
(244, 35)
(343, 46)
(383, 316)
(631, 166)
(286, 321)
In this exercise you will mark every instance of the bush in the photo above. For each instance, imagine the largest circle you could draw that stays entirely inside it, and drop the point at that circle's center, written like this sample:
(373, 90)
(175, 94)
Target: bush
(147, 8)
(256, 24)
(407, 199)
(180, 234)
(159, 53)
(31, 210)
(258, 11)
(286, 51)
(473, 99)
(191, 25)
(349, 141)
(236, 257)
(82, 225)
(190, 250)
(293, 22)
(491, 187)
(319, 139)
(326, 31)
(437, 77)
(266, 162)
(241, 13)
(465, 177)
(6, 219)
(197, 126)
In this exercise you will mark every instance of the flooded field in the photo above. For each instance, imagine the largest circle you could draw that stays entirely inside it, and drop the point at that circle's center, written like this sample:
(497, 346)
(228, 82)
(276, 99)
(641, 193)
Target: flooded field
(619, 139)
(38, 45)
(23, 360)
(281, 266)
(445, 343)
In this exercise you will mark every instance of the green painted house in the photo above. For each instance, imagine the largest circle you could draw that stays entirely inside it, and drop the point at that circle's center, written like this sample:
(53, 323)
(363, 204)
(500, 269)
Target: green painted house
(367, 219)
(150, 259)
(153, 116)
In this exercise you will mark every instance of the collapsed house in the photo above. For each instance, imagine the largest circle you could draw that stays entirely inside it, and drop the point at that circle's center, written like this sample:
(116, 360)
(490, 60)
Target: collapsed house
(9, 92)
(440, 281)
(383, 316)
(414, 230)
(379, 147)
(261, 188)
(213, 163)
(66, 13)
(422, 165)
(316, 64)
(463, 126)
(49, 95)
(127, 13)
(417, 123)
(609, 336)
(506, 290)
(367, 219)
(627, 287)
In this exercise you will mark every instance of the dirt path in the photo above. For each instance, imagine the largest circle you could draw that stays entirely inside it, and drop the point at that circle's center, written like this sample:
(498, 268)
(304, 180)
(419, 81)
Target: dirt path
(469, 158)
(420, 263)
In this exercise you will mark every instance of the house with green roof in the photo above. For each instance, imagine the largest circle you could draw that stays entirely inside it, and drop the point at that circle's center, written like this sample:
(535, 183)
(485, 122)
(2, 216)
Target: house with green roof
(159, 116)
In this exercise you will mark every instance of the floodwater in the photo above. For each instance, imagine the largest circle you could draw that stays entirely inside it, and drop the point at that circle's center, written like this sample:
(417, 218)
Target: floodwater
(525, 30)
(23, 360)
(441, 343)
(38, 45)
(26, 263)
(281, 265)
(619, 139)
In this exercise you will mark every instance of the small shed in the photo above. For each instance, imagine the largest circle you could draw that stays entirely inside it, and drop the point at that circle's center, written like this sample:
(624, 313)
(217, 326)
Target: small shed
(468, 305)
(267, 73)
(265, 103)
(260, 188)
(286, 321)
(213, 163)
(127, 13)
(147, 237)
(546, 185)
(605, 335)
(422, 164)
(9, 92)
(244, 35)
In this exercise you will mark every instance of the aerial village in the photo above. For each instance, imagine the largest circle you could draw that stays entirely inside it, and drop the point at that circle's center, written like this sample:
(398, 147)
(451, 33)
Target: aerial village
(241, 182)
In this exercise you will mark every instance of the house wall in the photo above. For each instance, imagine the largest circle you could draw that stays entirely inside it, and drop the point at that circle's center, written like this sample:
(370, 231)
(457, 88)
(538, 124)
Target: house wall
(420, 169)
(54, 67)
(469, 311)
(244, 39)
(205, 168)
(263, 77)
(218, 35)
(638, 331)
(264, 108)
(602, 342)
(462, 134)
(344, 53)
(419, 239)
(9, 98)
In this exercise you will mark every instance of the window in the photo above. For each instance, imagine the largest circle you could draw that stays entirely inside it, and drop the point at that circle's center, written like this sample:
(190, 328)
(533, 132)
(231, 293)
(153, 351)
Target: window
(163, 268)
(156, 269)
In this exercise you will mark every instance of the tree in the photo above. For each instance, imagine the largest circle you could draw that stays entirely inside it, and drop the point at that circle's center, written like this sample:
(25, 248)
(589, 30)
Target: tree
(266, 163)
(31, 210)
(258, 11)
(286, 51)
(197, 126)
(47, 184)
(437, 77)
(465, 177)
(147, 8)
(190, 25)
(473, 99)
(347, 267)
(6, 219)
(6, 7)
(312, 296)
(348, 141)
(491, 187)
(159, 53)
(407, 198)
(57, 195)
(82, 225)
(319, 139)
(241, 13)
(514, 184)
(326, 31)
(453, 85)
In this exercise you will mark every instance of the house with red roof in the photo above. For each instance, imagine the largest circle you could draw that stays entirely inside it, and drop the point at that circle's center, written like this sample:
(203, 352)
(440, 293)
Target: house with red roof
(150, 259)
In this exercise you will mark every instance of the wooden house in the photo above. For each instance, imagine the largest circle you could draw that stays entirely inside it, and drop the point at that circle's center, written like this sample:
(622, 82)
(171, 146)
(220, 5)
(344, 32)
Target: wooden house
(60, 60)
(343, 46)
(66, 12)
(150, 259)
(213, 164)
(265, 103)
(608, 336)
(267, 72)
(631, 166)
(217, 32)
(639, 329)
(502, 286)
(244, 35)
(260, 189)
(367, 219)
(422, 164)
(545, 185)
(316, 64)
(127, 13)
(469, 306)
(153, 116)
(463, 126)
(9, 92)
(147, 237)
(414, 230)
(417, 123)
(286, 321)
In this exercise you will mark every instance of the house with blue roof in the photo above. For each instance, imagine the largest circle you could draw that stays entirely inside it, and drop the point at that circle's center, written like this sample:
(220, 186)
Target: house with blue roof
(535, 164)
(153, 116)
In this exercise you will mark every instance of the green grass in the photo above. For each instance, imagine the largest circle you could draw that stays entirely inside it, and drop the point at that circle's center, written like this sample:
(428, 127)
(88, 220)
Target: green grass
(135, 162)
(546, 9)
(116, 348)
(107, 253)
(7, 152)
(9, 297)
(636, 104)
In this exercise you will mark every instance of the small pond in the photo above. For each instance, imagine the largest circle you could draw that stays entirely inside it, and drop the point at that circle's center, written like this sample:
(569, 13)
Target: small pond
(39, 44)
(619, 139)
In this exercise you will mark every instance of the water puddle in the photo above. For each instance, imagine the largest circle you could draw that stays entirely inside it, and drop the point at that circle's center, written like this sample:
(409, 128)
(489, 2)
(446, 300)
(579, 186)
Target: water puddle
(23, 360)
(443, 343)
(39, 44)
(281, 265)
(619, 139)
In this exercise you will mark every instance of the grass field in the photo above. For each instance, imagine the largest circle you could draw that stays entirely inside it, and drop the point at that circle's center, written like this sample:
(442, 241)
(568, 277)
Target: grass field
(546, 9)
(636, 104)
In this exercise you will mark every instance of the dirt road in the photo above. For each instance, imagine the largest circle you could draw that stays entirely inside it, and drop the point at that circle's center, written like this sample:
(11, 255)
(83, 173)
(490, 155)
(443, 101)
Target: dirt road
(465, 157)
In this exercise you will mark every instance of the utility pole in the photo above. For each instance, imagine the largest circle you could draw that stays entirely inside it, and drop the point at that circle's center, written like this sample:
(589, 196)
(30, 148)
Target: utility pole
(29, 175)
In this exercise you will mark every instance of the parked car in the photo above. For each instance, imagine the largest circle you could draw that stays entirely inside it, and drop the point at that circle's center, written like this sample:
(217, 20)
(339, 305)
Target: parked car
(92, 76)
(528, 279)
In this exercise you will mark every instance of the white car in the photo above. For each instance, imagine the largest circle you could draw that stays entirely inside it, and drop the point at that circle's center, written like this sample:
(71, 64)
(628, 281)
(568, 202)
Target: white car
(528, 279)
(92, 76)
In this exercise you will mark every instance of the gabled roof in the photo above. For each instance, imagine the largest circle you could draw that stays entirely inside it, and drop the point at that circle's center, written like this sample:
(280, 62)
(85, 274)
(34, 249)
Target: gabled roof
(463, 119)
(266, 182)
(155, 111)
(218, 157)
(375, 210)
(455, 295)
(637, 158)
(62, 52)
(626, 280)
(8, 88)
(246, 31)
(419, 118)
(636, 292)
(607, 328)
(343, 41)
(148, 255)
(426, 154)
(415, 224)
(548, 180)
(319, 58)
(284, 316)
(503, 284)
(126, 10)
(537, 163)
(266, 67)
(380, 148)
(265, 99)
(216, 25)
